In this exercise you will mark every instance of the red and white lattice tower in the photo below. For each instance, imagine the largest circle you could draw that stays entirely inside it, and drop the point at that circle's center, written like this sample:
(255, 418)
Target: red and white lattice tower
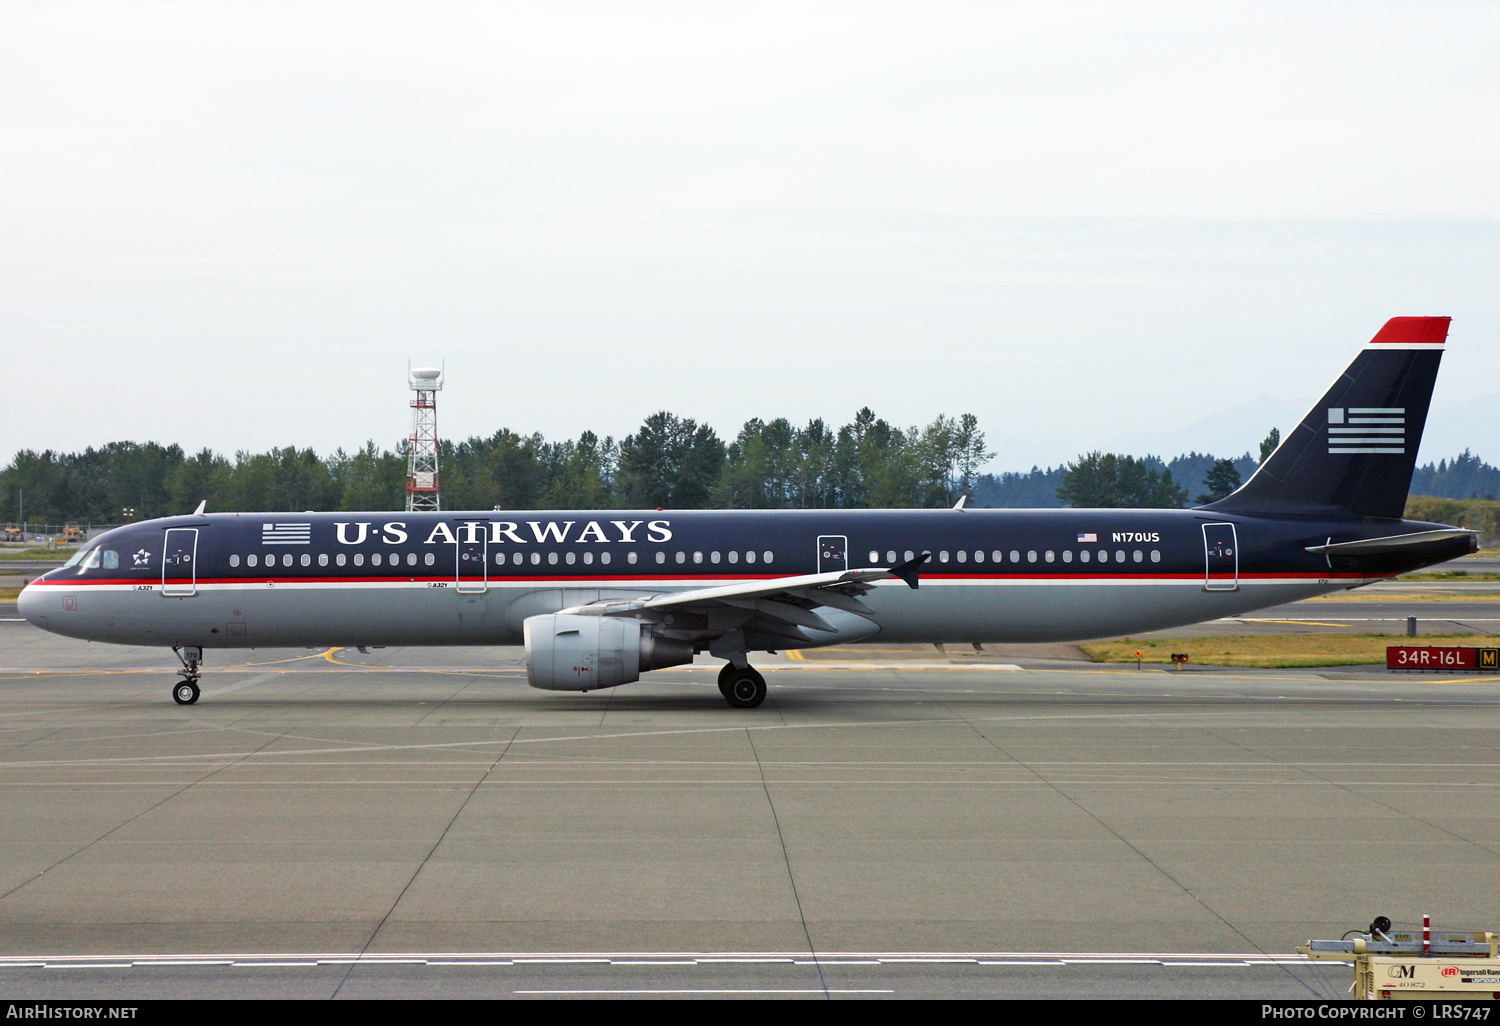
(422, 458)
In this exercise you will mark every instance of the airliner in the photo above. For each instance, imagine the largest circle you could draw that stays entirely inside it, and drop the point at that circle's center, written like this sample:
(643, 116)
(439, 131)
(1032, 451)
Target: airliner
(599, 597)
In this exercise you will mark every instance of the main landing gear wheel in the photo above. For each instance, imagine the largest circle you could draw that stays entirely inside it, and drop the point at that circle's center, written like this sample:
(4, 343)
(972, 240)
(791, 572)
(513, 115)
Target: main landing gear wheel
(742, 688)
(185, 692)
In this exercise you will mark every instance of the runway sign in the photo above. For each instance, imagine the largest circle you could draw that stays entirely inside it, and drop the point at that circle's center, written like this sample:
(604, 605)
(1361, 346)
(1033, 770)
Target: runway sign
(1441, 657)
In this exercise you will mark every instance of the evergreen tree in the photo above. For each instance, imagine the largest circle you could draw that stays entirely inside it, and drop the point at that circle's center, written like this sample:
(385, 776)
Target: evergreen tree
(671, 462)
(1107, 480)
(1223, 478)
(1268, 446)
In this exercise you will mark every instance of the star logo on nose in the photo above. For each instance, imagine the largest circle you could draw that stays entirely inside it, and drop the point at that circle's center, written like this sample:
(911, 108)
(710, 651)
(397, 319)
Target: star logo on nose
(142, 558)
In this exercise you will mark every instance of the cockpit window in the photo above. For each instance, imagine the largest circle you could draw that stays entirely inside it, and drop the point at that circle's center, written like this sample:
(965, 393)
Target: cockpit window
(111, 559)
(78, 557)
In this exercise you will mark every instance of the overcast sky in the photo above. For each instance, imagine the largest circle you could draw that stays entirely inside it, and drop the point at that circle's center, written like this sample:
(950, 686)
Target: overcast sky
(232, 224)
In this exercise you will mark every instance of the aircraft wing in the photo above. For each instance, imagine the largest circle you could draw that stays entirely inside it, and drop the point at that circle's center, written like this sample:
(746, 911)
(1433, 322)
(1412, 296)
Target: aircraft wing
(779, 606)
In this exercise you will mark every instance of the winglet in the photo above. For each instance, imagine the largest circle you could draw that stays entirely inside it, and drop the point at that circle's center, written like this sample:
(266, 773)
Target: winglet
(201, 507)
(908, 571)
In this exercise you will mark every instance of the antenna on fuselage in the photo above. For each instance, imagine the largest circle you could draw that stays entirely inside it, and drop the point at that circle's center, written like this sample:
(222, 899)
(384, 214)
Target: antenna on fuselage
(201, 507)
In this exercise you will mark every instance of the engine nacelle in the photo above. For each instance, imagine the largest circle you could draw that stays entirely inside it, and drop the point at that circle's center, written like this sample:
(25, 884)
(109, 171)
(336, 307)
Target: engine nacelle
(568, 652)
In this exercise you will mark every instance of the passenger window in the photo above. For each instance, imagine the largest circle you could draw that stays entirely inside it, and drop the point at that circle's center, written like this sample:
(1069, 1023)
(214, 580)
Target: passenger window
(1104, 555)
(322, 559)
(430, 558)
(234, 560)
(963, 557)
(1051, 556)
(306, 559)
(517, 559)
(1015, 556)
(713, 557)
(1119, 555)
(1031, 555)
(572, 558)
(339, 559)
(1136, 555)
(943, 556)
(910, 555)
(376, 559)
(359, 559)
(1083, 556)
(604, 558)
(286, 560)
(682, 557)
(661, 557)
(551, 559)
(874, 557)
(1067, 555)
(1156, 555)
(499, 559)
(588, 558)
(411, 559)
(536, 559)
(734, 557)
(978, 556)
(890, 557)
(697, 557)
(997, 556)
(765, 557)
(749, 557)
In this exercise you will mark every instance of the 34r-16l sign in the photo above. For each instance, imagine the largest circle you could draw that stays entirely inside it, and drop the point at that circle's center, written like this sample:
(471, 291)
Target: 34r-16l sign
(1441, 657)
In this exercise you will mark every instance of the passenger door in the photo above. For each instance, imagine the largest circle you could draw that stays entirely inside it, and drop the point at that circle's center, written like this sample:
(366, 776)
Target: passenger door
(1221, 558)
(179, 569)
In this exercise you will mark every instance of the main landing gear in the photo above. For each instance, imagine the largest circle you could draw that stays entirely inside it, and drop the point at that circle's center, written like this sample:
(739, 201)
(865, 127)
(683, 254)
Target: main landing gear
(185, 691)
(742, 687)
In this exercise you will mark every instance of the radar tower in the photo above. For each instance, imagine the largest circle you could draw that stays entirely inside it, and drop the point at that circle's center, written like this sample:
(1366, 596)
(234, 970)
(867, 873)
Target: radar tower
(422, 453)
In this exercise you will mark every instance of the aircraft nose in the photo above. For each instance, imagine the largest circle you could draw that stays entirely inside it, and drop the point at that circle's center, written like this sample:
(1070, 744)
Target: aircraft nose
(29, 604)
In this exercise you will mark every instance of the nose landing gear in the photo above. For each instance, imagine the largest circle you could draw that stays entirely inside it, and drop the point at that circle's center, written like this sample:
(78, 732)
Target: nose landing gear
(185, 691)
(742, 687)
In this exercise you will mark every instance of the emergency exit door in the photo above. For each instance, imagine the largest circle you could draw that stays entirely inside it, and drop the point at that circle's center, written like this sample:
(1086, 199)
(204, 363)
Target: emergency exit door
(833, 553)
(1221, 557)
(471, 573)
(179, 570)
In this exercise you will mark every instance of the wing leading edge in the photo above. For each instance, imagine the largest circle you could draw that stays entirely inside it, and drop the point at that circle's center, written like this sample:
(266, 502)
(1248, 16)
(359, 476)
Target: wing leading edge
(782, 607)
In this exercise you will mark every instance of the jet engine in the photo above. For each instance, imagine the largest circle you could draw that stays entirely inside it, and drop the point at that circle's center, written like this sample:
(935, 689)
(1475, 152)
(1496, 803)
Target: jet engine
(568, 652)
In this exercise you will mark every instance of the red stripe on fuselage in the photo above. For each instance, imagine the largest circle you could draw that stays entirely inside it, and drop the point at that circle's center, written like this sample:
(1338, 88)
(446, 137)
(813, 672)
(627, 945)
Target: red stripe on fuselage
(669, 578)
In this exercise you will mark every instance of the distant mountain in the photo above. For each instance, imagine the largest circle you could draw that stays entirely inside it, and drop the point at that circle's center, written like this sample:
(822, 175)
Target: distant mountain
(1459, 427)
(1238, 428)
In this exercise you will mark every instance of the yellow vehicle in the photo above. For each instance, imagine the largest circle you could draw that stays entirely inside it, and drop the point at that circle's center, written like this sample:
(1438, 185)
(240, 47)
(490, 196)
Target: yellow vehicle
(1415, 963)
(12, 532)
(72, 534)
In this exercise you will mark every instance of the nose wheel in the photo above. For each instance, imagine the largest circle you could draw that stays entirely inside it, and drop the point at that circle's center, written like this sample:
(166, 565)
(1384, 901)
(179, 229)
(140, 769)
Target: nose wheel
(742, 687)
(185, 691)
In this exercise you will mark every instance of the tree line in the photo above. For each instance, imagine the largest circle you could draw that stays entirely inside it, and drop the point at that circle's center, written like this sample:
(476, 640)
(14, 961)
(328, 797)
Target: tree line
(670, 461)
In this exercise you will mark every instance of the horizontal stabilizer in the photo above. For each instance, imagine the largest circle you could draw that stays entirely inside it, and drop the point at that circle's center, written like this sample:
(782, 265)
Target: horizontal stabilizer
(1396, 543)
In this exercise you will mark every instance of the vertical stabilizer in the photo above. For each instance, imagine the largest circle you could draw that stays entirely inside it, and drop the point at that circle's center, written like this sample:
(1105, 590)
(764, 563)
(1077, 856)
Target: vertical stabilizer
(1356, 449)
